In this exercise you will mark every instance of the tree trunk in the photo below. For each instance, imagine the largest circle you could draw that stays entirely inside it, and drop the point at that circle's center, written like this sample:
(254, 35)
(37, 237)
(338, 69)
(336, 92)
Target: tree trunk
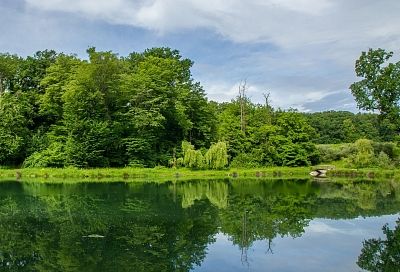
(1, 84)
(242, 101)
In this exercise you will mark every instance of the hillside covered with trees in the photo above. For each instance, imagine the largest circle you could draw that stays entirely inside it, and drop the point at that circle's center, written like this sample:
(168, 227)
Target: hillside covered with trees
(146, 109)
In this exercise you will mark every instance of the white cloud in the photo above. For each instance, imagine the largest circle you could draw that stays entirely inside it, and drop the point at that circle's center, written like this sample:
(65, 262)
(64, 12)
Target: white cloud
(315, 41)
(283, 98)
(284, 22)
(116, 11)
(325, 227)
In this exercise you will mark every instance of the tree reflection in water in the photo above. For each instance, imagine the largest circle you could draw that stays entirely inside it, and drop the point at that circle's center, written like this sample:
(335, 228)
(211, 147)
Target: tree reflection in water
(165, 227)
(382, 255)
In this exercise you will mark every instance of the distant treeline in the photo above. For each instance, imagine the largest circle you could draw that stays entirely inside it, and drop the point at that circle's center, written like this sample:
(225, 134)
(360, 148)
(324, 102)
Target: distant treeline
(335, 127)
(145, 109)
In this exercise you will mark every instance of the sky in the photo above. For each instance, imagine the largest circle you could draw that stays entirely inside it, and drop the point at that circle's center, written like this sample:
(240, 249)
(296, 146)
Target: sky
(301, 52)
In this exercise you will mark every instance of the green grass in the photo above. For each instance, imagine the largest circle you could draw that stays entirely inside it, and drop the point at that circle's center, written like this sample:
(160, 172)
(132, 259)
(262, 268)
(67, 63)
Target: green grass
(145, 174)
(160, 174)
(336, 146)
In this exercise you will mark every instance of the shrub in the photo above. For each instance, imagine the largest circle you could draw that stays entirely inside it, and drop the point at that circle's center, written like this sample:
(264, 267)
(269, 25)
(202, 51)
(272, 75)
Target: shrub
(383, 161)
(365, 154)
(294, 155)
(347, 150)
(329, 153)
(53, 156)
(388, 148)
(245, 160)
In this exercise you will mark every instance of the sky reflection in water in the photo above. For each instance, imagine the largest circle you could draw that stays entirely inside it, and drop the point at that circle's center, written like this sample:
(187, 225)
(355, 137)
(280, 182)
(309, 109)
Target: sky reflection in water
(207, 225)
(327, 245)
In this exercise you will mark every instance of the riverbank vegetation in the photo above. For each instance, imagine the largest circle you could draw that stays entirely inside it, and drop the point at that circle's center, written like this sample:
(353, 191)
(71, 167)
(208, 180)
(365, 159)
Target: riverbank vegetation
(361, 154)
(146, 110)
(158, 174)
(164, 174)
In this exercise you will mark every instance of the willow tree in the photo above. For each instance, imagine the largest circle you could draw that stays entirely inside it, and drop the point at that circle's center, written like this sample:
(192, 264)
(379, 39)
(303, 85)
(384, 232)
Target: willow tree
(217, 156)
(192, 158)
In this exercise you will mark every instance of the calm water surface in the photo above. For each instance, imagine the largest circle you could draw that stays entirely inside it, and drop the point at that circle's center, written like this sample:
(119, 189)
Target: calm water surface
(215, 225)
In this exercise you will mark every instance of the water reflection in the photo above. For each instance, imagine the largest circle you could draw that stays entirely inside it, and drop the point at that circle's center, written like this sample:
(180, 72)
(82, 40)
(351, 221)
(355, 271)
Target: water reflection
(382, 254)
(173, 226)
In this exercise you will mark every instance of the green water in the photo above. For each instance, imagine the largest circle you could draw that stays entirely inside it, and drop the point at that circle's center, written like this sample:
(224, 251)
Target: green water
(215, 225)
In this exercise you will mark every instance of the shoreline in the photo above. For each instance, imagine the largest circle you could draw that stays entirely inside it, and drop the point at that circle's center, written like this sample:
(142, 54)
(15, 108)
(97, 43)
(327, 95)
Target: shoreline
(75, 175)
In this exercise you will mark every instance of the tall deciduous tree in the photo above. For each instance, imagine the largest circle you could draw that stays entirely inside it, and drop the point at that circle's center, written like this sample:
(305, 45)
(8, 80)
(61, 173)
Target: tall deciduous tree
(91, 100)
(54, 84)
(164, 106)
(14, 132)
(8, 69)
(380, 87)
(33, 69)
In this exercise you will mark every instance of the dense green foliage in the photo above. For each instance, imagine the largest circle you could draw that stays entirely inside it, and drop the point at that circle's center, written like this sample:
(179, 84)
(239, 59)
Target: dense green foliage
(335, 127)
(146, 110)
(214, 158)
(380, 87)
(361, 154)
(281, 138)
(58, 110)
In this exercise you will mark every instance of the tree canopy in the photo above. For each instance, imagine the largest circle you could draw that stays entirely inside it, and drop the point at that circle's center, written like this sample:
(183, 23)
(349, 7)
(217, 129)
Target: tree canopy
(380, 87)
(59, 110)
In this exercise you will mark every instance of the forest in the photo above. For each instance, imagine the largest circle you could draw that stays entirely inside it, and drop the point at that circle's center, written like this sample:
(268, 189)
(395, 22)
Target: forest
(147, 110)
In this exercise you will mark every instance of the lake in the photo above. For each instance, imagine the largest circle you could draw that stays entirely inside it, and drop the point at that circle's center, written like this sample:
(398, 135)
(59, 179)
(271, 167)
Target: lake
(205, 225)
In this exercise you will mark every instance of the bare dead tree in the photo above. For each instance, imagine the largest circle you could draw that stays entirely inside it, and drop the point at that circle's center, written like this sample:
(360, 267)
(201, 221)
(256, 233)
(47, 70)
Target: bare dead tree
(268, 107)
(269, 250)
(242, 100)
(1, 84)
(267, 100)
(244, 242)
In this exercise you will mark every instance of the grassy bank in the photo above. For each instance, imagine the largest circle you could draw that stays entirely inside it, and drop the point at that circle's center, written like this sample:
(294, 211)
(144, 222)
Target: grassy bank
(168, 174)
(145, 174)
